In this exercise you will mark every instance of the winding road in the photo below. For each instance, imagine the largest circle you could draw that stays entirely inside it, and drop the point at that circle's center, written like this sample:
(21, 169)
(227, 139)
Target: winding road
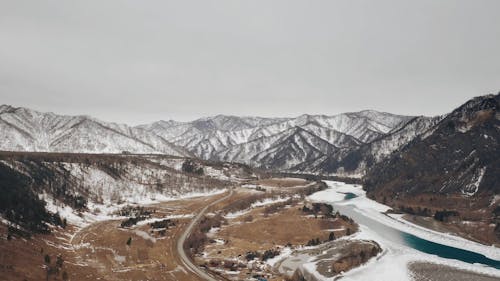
(180, 243)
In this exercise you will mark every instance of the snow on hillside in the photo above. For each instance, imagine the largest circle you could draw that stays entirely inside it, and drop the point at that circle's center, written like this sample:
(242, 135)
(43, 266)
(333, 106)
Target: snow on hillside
(307, 143)
(98, 185)
(29, 130)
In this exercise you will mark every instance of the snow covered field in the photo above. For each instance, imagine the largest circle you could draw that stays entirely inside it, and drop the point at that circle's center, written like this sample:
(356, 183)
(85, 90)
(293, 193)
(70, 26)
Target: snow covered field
(392, 263)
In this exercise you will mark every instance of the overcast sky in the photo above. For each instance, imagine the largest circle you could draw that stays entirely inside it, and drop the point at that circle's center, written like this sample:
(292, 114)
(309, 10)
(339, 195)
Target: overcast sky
(140, 61)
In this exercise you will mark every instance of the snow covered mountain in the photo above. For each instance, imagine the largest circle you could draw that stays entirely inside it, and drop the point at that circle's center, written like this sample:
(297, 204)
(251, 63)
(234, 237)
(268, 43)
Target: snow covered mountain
(344, 144)
(356, 160)
(29, 130)
(308, 143)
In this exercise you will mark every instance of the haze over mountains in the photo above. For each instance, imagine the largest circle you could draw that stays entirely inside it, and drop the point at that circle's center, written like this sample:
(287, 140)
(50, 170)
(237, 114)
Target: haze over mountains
(343, 144)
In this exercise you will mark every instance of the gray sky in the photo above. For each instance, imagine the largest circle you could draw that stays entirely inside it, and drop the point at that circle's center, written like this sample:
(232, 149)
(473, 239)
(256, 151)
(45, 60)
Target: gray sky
(140, 61)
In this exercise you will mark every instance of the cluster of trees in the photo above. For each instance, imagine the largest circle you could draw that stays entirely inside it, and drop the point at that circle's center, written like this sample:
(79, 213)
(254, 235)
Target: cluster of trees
(132, 221)
(136, 214)
(133, 211)
(496, 212)
(166, 223)
(496, 221)
(249, 256)
(25, 175)
(319, 209)
(55, 269)
(316, 241)
(196, 241)
(313, 242)
(56, 180)
(419, 211)
(269, 254)
(21, 205)
(445, 215)
(209, 222)
(162, 226)
(191, 167)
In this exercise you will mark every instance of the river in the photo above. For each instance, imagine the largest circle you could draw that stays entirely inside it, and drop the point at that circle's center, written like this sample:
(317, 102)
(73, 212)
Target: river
(406, 239)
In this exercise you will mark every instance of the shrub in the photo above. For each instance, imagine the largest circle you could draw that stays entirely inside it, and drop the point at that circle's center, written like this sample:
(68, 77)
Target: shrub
(269, 254)
(331, 237)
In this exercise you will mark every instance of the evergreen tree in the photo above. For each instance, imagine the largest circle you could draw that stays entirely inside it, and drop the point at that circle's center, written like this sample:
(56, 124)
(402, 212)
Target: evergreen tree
(331, 237)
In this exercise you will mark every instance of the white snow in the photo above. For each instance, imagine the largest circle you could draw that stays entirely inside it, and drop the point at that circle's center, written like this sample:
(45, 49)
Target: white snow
(120, 259)
(171, 217)
(261, 203)
(64, 211)
(473, 187)
(285, 252)
(237, 214)
(337, 192)
(269, 201)
(145, 235)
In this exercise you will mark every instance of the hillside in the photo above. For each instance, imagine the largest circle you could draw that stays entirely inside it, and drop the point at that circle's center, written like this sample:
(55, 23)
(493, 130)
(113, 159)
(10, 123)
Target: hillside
(41, 189)
(29, 130)
(455, 166)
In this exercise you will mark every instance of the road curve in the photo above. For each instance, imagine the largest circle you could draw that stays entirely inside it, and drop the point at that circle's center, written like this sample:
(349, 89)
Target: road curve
(180, 243)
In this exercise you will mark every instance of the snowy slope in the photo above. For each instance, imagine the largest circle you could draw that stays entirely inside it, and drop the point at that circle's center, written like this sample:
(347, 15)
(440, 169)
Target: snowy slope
(343, 144)
(459, 154)
(354, 161)
(96, 184)
(266, 142)
(29, 130)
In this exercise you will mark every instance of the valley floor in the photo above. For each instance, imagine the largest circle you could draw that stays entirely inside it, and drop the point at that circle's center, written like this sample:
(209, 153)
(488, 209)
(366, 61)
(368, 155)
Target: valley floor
(268, 229)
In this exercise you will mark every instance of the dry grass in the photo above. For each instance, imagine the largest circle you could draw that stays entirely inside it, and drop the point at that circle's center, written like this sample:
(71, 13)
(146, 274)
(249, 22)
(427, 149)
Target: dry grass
(288, 226)
(100, 250)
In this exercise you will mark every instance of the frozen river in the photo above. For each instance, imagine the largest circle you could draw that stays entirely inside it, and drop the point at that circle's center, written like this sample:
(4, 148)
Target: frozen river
(402, 241)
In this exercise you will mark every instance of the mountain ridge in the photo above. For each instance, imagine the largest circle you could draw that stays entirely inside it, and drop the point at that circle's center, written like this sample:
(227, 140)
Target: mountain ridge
(218, 138)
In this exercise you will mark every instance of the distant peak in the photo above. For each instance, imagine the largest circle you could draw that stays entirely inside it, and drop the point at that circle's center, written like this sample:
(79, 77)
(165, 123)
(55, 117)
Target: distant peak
(371, 112)
(6, 108)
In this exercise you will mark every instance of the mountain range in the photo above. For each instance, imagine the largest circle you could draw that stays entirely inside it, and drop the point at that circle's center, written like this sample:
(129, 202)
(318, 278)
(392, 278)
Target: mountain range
(344, 144)
(446, 165)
